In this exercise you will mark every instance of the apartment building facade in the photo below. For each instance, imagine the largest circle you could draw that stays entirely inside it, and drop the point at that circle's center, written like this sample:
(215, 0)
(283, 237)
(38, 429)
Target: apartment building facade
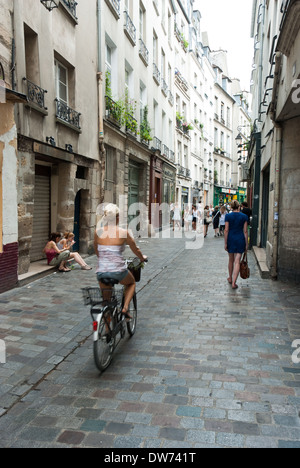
(9, 98)
(125, 114)
(137, 60)
(274, 152)
(58, 147)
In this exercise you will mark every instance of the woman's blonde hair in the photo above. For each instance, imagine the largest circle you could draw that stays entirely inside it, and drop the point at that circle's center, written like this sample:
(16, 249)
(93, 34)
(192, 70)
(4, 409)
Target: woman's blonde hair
(111, 212)
(68, 234)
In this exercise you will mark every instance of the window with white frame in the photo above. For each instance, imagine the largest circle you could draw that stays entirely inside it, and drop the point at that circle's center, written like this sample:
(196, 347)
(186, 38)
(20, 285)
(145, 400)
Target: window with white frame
(61, 75)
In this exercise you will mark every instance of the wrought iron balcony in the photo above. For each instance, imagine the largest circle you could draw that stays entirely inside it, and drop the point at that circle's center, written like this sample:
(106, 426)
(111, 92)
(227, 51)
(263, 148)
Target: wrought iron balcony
(171, 98)
(144, 52)
(156, 144)
(68, 116)
(131, 125)
(179, 78)
(35, 94)
(114, 6)
(164, 87)
(71, 6)
(156, 74)
(166, 151)
(113, 111)
(129, 28)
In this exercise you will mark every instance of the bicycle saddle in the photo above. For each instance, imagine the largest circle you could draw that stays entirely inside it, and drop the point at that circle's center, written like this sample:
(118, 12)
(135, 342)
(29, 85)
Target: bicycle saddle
(109, 281)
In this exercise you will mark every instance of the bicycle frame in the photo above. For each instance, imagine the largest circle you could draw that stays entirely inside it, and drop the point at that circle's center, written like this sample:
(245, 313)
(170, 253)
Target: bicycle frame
(109, 321)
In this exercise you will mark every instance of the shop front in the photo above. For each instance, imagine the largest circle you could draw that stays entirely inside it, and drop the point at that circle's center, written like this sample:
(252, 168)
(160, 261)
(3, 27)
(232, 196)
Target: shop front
(162, 189)
(224, 196)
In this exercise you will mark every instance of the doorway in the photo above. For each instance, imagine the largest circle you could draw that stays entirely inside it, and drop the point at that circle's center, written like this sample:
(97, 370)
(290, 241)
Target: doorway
(133, 187)
(41, 213)
(77, 207)
(265, 207)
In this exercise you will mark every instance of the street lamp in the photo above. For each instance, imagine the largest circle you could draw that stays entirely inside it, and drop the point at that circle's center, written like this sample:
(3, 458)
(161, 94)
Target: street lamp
(50, 4)
(239, 139)
(210, 161)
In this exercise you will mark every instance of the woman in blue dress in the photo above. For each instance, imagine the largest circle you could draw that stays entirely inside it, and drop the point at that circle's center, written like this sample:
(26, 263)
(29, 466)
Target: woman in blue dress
(236, 240)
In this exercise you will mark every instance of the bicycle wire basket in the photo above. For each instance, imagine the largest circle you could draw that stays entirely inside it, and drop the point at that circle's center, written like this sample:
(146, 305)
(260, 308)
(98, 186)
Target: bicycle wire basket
(94, 296)
(134, 265)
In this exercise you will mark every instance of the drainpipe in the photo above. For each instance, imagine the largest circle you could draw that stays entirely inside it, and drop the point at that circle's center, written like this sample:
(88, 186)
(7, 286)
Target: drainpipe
(99, 73)
(100, 91)
(278, 127)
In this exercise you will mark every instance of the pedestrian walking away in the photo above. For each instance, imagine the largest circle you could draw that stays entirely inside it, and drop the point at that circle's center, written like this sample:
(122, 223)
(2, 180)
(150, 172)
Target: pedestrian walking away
(177, 219)
(236, 241)
(216, 219)
(207, 220)
(222, 220)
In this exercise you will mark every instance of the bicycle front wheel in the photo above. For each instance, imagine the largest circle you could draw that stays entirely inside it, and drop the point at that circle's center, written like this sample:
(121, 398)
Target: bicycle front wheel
(131, 326)
(103, 347)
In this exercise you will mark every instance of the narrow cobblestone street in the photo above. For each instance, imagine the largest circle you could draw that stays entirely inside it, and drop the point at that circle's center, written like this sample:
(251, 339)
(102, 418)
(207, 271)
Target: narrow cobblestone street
(207, 367)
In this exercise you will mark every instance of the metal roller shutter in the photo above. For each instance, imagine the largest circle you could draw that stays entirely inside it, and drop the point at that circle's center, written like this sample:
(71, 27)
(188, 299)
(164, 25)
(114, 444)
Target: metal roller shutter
(41, 216)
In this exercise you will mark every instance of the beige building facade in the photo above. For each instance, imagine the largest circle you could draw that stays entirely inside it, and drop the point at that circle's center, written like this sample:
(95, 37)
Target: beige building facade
(8, 155)
(58, 144)
(274, 154)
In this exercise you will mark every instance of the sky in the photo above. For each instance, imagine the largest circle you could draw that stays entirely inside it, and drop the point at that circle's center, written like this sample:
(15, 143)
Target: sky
(228, 24)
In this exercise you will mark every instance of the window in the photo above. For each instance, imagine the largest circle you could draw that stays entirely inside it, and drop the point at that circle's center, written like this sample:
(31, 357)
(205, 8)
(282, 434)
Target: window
(163, 64)
(129, 80)
(111, 67)
(142, 23)
(61, 82)
(110, 169)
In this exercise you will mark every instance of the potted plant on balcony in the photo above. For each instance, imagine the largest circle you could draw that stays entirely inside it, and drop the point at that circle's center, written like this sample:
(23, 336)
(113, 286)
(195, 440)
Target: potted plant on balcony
(145, 129)
(186, 127)
(113, 108)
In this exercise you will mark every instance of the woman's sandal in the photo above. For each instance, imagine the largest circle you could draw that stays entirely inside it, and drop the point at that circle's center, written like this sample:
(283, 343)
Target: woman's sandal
(235, 286)
(127, 316)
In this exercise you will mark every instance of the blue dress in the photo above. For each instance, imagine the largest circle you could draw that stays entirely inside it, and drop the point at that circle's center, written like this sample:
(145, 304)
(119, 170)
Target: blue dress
(236, 239)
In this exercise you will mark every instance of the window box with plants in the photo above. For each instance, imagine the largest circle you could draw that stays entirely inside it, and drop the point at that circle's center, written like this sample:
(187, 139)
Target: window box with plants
(145, 129)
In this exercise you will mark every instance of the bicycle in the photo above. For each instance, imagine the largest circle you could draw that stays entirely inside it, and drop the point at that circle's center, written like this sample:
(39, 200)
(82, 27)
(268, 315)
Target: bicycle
(108, 320)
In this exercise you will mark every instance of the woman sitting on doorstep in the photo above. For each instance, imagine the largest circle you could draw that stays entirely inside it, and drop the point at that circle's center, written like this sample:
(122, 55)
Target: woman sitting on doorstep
(67, 242)
(55, 256)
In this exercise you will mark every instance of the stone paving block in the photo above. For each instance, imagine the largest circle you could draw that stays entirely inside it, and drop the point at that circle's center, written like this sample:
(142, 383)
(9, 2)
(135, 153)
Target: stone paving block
(195, 375)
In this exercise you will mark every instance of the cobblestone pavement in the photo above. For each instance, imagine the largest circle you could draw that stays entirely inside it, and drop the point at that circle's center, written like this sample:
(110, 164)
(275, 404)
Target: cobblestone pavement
(208, 366)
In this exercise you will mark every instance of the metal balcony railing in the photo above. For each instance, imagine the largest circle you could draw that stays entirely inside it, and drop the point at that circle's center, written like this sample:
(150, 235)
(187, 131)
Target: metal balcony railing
(156, 74)
(156, 145)
(144, 52)
(71, 6)
(113, 111)
(67, 115)
(164, 86)
(114, 6)
(35, 94)
(131, 125)
(129, 28)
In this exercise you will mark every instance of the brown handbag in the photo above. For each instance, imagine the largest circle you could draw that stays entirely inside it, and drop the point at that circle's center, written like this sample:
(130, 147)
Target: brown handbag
(244, 270)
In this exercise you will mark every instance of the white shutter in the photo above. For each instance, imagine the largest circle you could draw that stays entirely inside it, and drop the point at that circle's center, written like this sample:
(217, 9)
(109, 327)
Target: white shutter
(41, 217)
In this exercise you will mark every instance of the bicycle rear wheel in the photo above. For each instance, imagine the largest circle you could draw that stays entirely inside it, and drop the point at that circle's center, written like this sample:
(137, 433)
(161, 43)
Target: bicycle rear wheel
(103, 347)
(131, 326)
